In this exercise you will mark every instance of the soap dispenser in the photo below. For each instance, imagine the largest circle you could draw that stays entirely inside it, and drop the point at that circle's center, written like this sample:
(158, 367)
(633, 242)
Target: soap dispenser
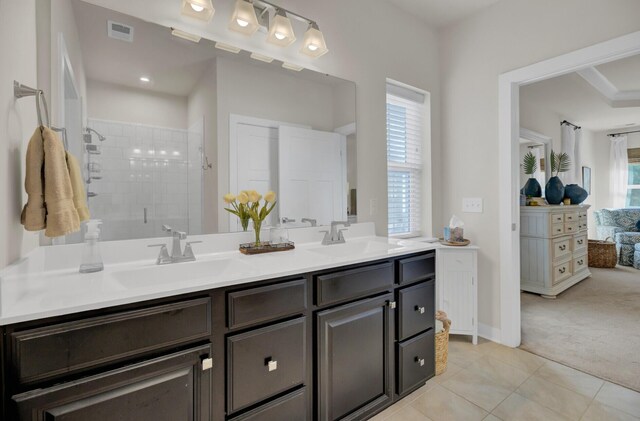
(91, 257)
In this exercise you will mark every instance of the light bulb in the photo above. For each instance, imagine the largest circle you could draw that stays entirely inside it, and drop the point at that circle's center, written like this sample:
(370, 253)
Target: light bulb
(242, 22)
(280, 36)
(197, 8)
(312, 47)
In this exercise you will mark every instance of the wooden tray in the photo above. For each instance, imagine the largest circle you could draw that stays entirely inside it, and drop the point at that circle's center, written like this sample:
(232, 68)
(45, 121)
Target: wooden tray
(265, 247)
(455, 243)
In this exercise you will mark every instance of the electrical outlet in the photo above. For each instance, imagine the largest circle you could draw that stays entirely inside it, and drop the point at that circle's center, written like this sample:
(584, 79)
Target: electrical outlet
(472, 204)
(373, 207)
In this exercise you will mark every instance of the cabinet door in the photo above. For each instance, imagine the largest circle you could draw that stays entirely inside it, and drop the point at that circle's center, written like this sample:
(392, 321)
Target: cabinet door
(458, 290)
(174, 387)
(355, 350)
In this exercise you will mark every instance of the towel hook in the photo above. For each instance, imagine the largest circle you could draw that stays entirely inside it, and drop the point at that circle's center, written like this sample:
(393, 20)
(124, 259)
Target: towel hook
(20, 91)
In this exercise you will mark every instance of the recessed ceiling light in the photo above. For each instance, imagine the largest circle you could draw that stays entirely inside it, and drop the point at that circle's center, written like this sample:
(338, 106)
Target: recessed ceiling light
(145, 79)
(292, 66)
(261, 57)
(227, 47)
(185, 35)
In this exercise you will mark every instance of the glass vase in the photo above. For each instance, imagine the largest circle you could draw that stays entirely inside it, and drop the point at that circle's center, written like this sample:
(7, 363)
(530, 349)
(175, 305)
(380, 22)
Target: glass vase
(245, 224)
(256, 228)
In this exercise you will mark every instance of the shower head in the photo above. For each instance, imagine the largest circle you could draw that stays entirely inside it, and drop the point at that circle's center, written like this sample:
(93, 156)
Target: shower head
(87, 136)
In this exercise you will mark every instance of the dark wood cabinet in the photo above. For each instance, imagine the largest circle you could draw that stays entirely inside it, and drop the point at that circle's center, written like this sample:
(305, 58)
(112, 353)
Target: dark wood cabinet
(354, 365)
(172, 387)
(338, 344)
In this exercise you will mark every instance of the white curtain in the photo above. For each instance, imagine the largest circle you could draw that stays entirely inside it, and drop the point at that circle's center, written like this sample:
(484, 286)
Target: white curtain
(618, 170)
(567, 145)
(576, 162)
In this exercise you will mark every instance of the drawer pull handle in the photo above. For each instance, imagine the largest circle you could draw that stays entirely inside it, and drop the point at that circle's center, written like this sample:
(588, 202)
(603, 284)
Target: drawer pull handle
(562, 270)
(272, 365)
(580, 241)
(392, 304)
(562, 247)
(580, 262)
(420, 361)
(420, 309)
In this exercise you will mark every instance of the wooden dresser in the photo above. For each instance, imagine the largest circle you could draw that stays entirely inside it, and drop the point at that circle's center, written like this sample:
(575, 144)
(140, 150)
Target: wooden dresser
(553, 248)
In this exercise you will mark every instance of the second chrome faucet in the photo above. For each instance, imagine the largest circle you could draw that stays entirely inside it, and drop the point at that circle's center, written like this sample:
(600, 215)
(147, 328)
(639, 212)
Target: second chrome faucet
(177, 255)
(335, 236)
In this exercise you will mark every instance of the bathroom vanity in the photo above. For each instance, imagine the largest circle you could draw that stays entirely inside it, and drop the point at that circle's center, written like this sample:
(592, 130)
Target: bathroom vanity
(258, 338)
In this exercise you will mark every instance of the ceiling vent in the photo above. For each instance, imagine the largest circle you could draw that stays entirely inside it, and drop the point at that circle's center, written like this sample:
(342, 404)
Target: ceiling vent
(120, 31)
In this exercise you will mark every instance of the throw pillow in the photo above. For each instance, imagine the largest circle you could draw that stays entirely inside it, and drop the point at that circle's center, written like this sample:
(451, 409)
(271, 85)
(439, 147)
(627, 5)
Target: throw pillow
(606, 217)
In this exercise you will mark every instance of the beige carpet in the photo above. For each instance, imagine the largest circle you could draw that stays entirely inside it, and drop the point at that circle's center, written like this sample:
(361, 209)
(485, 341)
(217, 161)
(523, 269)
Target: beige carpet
(593, 326)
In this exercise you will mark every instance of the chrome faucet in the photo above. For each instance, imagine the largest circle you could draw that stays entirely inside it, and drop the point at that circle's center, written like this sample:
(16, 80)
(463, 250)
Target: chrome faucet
(335, 235)
(177, 255)
(313, 222)
(286, 220)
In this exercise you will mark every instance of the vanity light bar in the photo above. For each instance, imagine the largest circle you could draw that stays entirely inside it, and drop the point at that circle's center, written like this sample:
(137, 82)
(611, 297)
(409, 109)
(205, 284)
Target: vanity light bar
(292, 66)
(185, 35)
(261, 57)
(227, 47)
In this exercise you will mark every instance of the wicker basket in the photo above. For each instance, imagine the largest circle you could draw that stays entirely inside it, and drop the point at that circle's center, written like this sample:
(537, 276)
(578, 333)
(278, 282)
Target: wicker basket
(442, 343)
(602, 254)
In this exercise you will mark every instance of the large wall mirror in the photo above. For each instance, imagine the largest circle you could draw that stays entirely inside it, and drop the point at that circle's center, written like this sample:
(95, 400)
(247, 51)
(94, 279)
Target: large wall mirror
(164, 127)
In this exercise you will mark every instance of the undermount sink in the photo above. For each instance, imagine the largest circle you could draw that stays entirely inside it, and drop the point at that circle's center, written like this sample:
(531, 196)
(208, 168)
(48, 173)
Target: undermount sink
(177, 272)
(354, 248)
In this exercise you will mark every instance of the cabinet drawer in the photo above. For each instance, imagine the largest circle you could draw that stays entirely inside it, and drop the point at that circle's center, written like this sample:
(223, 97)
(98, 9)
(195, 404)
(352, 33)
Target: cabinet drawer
(264, 362)
(289, 407)
(416, 361)
(570, 228)
(63, 348)
(561, 271)
(270, 302)
(561, 248)
(417, 268)
(580, 263)
(579, 242)
(571, 217)
(416, 309)
(582, 215)
(582, 226)
(557, 229)
(171, 387)
(352, 283)
(557, 218)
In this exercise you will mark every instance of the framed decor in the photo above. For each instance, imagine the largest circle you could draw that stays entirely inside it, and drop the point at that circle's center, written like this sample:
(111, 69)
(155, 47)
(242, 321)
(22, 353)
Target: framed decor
(586, 179)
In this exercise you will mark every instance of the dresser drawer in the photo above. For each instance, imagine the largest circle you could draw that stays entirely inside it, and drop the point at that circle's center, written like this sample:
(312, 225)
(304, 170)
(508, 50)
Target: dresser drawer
(582, 215)
(571, 227)
(265, 362)
(571, 217)
(580, 242)
(561, 248)
(416, 268)
(557, 229)
(289, 407)
(54, 350)
(557, 218)
(416, 305)
(561, 271)
(266, 303)
(580, 263)
(340, 286)
(582, 226)
(416, 361)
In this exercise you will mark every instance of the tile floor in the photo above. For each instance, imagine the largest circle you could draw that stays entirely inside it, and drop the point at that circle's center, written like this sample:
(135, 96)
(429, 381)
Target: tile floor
(491, 382)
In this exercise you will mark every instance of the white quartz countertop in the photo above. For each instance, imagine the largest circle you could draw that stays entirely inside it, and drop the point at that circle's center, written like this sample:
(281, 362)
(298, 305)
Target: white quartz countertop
(47, 282)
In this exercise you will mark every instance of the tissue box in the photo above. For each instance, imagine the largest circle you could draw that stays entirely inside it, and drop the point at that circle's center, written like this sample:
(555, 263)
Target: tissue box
(457, 234)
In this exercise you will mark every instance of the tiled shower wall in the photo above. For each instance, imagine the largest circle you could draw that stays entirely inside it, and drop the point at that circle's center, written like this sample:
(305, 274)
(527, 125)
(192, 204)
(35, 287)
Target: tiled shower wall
(145, 170)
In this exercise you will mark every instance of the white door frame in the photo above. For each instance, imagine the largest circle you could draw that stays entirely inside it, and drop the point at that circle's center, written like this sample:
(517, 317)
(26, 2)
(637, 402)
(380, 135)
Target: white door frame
(509, 133)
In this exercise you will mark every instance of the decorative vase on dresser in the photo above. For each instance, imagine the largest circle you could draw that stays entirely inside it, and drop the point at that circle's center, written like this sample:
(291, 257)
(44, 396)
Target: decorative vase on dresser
(553, 248)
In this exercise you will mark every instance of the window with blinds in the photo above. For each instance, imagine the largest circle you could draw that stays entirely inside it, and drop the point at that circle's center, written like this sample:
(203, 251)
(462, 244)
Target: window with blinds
(633, 184)
(405, 134)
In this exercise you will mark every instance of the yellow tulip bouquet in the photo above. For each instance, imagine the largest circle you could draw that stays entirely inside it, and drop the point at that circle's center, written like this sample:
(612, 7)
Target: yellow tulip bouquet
(246, 206)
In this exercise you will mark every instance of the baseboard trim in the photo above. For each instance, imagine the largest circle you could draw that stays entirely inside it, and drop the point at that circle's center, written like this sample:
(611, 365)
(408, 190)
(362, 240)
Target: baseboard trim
(489, 332)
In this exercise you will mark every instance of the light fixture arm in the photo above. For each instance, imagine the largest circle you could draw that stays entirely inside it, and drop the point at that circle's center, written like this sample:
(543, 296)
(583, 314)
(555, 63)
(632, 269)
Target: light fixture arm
(298, 17)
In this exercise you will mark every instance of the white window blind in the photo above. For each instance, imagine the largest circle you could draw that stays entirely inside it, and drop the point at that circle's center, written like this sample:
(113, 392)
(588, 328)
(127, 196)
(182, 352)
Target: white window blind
(405, 133)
